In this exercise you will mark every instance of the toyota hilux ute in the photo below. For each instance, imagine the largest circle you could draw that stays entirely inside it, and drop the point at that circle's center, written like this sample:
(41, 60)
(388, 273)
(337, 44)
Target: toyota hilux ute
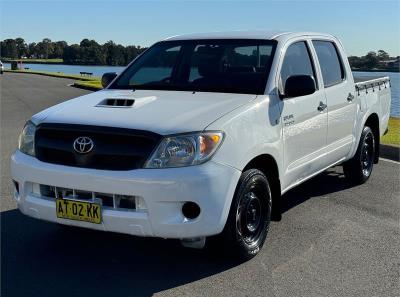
(199, 137)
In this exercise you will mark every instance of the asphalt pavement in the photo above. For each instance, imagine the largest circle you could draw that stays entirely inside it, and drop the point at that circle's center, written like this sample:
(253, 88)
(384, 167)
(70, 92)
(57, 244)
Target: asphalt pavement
(333, 239)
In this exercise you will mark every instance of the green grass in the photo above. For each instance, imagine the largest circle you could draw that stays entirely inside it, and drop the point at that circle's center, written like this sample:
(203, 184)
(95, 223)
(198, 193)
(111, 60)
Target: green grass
(393, 135)
(92, 84)
(56, 74)
(44, 61)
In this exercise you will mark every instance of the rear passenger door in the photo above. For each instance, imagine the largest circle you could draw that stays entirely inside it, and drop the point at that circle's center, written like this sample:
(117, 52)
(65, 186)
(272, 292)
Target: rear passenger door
(340, 97)
(304, 122)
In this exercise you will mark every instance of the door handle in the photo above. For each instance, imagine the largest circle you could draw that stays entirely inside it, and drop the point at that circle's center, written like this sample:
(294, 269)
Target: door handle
(350, 97)
(321, 107)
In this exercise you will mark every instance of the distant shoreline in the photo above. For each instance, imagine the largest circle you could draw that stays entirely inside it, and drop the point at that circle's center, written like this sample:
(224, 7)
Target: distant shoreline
(55, 63)
(376, 70)
(35, 61)
(60, 62)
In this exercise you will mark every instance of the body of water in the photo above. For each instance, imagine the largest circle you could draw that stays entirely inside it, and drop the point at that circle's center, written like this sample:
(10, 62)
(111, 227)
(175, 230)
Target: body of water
(70, 69)
(100, 70)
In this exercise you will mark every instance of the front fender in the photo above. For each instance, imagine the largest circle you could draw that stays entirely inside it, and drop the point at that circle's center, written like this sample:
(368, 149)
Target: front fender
(250, 131)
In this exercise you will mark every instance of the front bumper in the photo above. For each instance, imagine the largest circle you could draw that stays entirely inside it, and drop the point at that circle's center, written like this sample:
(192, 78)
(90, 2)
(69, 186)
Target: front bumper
(210, 185)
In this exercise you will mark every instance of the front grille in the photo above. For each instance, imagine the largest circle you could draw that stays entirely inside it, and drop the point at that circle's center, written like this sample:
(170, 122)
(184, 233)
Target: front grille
(114, 148)
(108, 201)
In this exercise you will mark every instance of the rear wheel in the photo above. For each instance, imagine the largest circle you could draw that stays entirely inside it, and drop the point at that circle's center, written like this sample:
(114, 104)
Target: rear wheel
(249, 217)
(359, 168)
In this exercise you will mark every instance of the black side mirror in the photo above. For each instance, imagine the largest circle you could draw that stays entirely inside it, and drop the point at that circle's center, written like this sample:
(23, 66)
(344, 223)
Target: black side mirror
(107, 78)
(299, 85)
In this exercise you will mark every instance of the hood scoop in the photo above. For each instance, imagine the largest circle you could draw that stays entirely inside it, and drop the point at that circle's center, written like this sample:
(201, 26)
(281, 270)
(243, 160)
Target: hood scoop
(116, 102)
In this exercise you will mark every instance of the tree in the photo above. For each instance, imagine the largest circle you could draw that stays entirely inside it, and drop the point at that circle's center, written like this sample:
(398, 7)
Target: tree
(86, 52)
(22, 48)
(131, 52)
(32, 52)
(71, 54)
(9, 49)
(371, 60)
(382, 55)
(45, 48)
(356, 62)
(114, 53)
(92, 52)
(58, 49)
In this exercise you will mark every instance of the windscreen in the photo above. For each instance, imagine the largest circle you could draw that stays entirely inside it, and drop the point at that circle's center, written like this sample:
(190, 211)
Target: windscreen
(227, 66)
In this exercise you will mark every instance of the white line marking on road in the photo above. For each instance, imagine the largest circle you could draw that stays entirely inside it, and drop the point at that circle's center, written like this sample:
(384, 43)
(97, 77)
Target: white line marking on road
(391, 161)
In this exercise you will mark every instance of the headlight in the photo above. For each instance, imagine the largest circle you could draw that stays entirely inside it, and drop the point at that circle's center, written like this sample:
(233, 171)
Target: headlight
(26, 143)
(185, 150)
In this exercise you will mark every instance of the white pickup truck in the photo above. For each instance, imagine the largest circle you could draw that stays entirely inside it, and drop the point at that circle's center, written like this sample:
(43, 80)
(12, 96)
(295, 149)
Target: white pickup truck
(200, 136)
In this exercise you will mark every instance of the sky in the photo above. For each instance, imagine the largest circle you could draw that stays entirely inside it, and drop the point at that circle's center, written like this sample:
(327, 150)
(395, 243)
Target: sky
(362, 25)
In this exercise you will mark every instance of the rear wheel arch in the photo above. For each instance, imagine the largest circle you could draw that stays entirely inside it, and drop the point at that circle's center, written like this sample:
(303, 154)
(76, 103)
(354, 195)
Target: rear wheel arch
(358, 169)
(373, 123)
(268, 165)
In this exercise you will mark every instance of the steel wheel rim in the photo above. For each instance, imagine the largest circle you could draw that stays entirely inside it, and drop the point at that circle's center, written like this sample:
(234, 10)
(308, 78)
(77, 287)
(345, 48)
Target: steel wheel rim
(250, 218)
(367, 154)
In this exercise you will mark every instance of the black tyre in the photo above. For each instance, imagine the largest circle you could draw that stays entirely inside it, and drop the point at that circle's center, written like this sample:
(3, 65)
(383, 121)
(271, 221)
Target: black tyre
(249, 217)
(358, 169)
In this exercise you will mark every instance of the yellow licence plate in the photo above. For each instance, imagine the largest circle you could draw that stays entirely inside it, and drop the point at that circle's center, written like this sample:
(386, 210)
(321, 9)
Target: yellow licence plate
(78, 210)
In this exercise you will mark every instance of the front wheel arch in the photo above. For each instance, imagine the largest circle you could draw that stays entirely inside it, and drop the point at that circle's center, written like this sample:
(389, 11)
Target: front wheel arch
(268, 165)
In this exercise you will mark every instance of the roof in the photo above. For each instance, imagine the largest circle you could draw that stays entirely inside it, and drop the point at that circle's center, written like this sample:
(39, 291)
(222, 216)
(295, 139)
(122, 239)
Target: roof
(230, 35)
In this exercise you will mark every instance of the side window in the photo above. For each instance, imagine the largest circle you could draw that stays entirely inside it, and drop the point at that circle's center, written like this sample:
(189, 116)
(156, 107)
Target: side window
(297, 61)
(330, 63)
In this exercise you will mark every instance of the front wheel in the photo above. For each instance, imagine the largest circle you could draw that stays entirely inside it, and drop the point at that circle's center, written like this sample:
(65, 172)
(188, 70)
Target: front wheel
(359, 168)
(249, 217)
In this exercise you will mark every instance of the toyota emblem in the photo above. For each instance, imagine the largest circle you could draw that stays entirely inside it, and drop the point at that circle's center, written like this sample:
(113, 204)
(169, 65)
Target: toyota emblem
(83, 145)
